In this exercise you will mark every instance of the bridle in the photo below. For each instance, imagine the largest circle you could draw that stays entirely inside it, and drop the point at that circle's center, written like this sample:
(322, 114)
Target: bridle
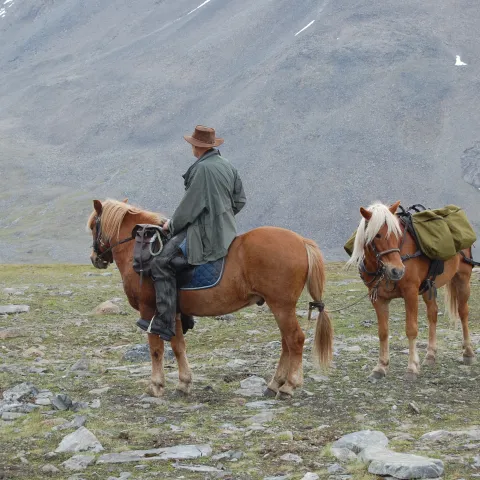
(99, 244)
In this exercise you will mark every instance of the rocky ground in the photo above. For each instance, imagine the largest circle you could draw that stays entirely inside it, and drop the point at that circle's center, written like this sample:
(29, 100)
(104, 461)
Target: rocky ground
(73, 383)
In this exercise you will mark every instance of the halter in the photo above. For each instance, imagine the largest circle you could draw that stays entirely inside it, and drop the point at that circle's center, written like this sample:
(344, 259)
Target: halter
(98, 242)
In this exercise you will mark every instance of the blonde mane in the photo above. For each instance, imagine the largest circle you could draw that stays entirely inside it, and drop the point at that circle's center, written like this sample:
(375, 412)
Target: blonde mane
(366, 231)
(113, 213)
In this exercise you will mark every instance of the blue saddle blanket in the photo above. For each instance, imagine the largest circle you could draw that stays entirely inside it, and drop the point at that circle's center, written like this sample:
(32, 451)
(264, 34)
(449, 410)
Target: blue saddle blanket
(204, 276)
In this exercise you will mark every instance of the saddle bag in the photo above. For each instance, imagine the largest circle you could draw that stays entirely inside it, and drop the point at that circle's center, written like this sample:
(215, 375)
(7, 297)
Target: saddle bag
(149, 240)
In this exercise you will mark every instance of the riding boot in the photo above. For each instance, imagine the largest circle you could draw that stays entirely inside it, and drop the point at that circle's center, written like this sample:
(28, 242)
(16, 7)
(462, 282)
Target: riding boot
(165, 283)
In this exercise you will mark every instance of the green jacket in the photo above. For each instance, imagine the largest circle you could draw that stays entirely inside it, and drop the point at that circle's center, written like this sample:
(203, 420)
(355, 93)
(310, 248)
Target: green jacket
(213, 196)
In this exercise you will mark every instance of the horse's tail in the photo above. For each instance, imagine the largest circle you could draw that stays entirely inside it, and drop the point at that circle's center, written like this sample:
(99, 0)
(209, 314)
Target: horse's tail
(323, 345)
(451, 301)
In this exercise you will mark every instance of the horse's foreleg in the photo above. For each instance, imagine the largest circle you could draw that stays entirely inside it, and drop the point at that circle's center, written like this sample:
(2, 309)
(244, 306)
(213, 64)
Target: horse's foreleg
(280, 376)
(157, 383)
(382, 311)
(179, 349)
(411, 328)
(432, 314)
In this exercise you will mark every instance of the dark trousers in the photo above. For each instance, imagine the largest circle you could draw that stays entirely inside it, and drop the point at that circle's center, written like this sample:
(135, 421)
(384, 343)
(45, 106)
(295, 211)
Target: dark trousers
(165, 268)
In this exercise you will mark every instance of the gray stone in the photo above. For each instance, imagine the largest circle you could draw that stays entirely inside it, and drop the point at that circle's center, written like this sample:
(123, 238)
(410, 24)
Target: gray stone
(310, 476)
(237, 363)
(260, 418)
(353, 349)
(77, 406)
(17, 407)
(280, 477)
(11, 416)
(137, 353)
(414, 408)
(402, 465)
(343, 454)
(11, 309)
(61, 402)
(319, 378)
(80, 365)
(44, 401)
(252, 386)
(261, 404)
(99, 391)
(291, 457)
(50, 469)
(10, 333)
(179, 452)
(79, 462)
(226, 318)
(20, 392)
(335, 468)
(357, 441)
(107, 308)
(445, 435)
(95, 403)
(79, 441)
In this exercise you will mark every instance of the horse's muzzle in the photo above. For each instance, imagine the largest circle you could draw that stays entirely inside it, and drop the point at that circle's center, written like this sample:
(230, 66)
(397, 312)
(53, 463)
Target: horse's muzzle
(395, 273)
(98, 263)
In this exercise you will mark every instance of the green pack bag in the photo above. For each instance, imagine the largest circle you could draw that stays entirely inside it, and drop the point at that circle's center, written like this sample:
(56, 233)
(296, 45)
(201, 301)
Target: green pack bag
(443, 232)
(348, 247)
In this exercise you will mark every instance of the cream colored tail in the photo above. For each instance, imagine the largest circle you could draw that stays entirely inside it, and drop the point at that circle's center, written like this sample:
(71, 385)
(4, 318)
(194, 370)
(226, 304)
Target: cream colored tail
(323, 344)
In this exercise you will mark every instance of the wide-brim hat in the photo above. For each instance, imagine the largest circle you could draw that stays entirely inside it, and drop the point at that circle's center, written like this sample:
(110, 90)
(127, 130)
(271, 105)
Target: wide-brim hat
(203, 137)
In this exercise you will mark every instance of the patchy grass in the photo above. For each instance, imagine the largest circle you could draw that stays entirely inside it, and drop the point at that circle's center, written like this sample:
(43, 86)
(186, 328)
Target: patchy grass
(61, 329)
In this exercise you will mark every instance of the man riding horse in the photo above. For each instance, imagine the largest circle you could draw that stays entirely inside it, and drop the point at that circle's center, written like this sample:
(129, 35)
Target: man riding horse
(205, 219)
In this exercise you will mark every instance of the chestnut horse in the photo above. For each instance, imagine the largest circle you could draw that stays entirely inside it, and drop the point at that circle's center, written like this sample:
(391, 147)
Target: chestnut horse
(265, 264)
(381, 242)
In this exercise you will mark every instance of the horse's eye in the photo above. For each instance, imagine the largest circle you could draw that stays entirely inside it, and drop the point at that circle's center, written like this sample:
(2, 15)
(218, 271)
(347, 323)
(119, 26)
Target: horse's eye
(378, 235)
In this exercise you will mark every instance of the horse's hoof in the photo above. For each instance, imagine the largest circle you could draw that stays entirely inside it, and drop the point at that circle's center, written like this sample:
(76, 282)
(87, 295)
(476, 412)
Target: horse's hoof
(155, 390)
(269, 393)
(283, 396)
(429, 361)
(376, 375)
(180, 393)
(468, 360)
(411, 376)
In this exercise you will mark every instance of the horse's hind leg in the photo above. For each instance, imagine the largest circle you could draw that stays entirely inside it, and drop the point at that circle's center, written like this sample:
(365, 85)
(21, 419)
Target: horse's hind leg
(432, 314)
(461, 284)
(179, 349)
(281, 373)
(294, 338)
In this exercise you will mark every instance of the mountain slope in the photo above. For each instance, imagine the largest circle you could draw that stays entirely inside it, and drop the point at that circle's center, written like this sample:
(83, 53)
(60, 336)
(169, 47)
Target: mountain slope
(364, 104)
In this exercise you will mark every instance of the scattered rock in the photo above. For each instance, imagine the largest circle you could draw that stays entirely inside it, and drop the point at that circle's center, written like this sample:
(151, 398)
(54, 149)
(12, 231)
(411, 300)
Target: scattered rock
(11, 416)
(95, 403)
(260, 418)
(79, 462)
(343, 454)
(107, 308)
(319, 378)
(414, 408)
(99, 391)
(80, 365)
(200, 468)
(383, 461)
(11, 309)
(77, 406)
(179, 452)
(137, 353)
(291, 457)
(61, 402)
(310, 476)
(444, 435)
(237, 363)
(79, 441)
(261, 404)
(10, 333)
(252, 386)
(20, 392)
(43, 401)
(50, 469)
(335, 468)
(353, 349)
(226, 318)
(357, 441)
(32, 352)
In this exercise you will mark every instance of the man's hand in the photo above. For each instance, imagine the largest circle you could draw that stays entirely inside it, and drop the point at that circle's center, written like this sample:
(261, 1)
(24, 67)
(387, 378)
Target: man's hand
(166, 226)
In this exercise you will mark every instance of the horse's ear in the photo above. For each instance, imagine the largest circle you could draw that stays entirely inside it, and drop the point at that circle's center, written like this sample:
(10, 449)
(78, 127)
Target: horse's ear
(366, 214)
(394, 207)
(125, 200)
(97, 205)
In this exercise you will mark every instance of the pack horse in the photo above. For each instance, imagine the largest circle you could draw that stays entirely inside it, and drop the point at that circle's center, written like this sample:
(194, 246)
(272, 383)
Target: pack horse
(265, 264)
(393, 264)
